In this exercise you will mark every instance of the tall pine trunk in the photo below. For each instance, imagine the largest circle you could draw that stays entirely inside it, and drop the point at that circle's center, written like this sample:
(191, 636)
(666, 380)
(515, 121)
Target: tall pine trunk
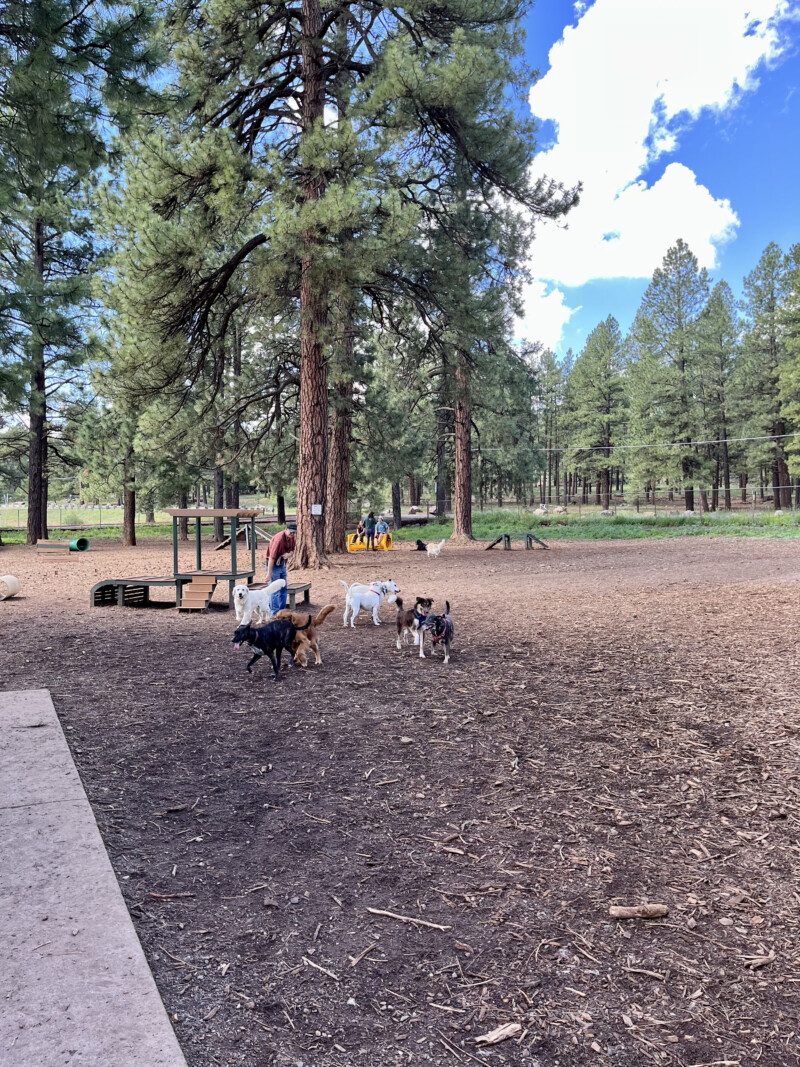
(397, 506)
(219, 499)
(462, 492)
(341, 432)
(441, 455)
(129, 499)
(726, 468)
(312, 462)
(281, 502)
(37, 415)
(183, 522)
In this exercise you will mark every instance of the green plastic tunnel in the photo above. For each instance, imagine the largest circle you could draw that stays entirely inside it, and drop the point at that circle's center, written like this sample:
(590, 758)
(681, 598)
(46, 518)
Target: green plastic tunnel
(80, 544)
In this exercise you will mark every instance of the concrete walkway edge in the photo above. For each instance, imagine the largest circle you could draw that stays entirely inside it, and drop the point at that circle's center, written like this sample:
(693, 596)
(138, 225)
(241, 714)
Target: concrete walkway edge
(76, 988)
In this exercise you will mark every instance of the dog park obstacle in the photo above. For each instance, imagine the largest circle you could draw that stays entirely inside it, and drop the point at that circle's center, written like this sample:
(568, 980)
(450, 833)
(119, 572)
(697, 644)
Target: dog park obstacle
(244, 532)
(9, 586)
(530, 540)
(292, 592)
(196, 596)
(356, 543)
(62, 548)
(136, 591)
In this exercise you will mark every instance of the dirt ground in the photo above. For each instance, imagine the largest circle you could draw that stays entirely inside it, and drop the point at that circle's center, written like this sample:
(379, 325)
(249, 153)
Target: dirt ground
(618, 724)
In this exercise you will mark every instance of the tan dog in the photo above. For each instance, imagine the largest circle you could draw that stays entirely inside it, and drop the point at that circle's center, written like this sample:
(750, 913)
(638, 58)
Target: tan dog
(307, 638)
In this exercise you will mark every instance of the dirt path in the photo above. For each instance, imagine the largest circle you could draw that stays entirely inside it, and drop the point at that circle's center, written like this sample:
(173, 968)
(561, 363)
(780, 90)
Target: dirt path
(619, 723)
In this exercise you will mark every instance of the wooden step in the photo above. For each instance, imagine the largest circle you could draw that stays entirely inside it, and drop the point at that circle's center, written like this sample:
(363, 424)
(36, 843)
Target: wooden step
(197, 594)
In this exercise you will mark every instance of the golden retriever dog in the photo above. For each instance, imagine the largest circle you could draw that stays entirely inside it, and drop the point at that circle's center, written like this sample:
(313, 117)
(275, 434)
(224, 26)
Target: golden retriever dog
(307, 639)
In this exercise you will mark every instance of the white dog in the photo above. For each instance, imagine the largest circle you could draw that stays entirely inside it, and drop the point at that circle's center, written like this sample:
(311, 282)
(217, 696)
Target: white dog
(435, 550)
(367, 596)
(252, 604)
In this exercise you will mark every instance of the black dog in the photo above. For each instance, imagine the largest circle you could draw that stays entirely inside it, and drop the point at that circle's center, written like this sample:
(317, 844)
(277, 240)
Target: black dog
(441, 630)
(421, 546)
(271, 639)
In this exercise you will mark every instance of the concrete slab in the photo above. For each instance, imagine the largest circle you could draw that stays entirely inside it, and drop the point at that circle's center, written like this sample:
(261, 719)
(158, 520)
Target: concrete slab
(76, 988)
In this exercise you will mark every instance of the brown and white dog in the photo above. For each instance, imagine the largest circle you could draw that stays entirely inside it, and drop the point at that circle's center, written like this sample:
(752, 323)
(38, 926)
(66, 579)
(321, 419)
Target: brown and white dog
(306, 639)
(409, 620)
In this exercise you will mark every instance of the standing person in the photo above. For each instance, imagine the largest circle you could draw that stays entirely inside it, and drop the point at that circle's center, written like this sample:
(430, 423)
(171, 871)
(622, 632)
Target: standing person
(369, 525)
(280, 548)
(382, 529)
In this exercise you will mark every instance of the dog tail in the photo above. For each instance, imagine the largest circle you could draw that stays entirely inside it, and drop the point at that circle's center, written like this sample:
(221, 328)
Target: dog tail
(306, 625)
(347, 587)
(447, 607)
(322, 615)
(273, 587)
(399, 602)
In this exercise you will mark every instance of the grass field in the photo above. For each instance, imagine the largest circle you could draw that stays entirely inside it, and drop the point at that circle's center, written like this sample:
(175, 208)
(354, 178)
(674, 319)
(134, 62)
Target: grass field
(487, 525)
(590, 526)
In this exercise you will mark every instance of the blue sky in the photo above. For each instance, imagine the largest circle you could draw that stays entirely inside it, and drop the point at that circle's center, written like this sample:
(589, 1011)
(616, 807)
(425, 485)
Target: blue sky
(682, 119)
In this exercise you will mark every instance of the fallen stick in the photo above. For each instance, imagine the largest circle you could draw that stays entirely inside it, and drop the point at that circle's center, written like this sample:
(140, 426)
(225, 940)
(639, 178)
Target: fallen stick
(502, 1033)
(639, 911)
(408, 919)
(357, 959)
(316, 966)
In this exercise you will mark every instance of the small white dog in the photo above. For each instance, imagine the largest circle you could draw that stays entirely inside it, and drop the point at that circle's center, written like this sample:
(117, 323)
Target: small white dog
(435, 550)
(253, 604)
(367, 596)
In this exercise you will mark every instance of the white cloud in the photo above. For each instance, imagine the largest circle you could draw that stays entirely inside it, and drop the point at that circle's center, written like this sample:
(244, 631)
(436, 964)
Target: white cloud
(623, 83)
(545, 313)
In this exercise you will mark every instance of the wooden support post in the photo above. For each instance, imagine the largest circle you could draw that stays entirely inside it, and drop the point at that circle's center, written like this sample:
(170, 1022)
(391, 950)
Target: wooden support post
(253, 544)
(234, 532)
(174, 545)
(198, 546)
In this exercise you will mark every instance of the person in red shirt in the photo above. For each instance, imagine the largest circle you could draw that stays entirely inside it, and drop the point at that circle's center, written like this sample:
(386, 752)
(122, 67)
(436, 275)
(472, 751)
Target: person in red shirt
(280, 548)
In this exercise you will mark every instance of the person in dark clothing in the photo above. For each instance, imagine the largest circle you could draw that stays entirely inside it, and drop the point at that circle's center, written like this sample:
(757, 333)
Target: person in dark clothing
(369, 525)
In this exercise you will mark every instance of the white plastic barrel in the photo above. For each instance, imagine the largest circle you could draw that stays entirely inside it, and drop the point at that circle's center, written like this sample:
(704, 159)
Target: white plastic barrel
(9, 586)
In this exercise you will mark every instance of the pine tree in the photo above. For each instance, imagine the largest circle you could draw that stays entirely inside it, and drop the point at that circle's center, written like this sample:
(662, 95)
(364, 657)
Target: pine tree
(789, 372)
(667, 328)
(252, 198)
(67, 73)
(597, 401)
(765, 290)
(718, 349)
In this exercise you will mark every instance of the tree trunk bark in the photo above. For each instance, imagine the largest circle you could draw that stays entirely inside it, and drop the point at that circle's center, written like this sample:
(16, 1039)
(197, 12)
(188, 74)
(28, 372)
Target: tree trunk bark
(703, 500)
(338, 481)
(129, 499)
(37, 414)
(219, 499)
(45, 532)
(313, 455)
(397, 506)
(281, 502)
(441, 461)
(462, 502)
(237, 425)
(183, 522)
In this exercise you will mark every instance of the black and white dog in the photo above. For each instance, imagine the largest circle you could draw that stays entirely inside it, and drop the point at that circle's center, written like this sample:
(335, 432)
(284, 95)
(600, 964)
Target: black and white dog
(268, 640)
(409, 620)
(441, 629)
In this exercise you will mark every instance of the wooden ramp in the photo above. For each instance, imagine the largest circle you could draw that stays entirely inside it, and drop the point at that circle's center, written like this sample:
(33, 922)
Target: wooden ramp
(77, 989)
